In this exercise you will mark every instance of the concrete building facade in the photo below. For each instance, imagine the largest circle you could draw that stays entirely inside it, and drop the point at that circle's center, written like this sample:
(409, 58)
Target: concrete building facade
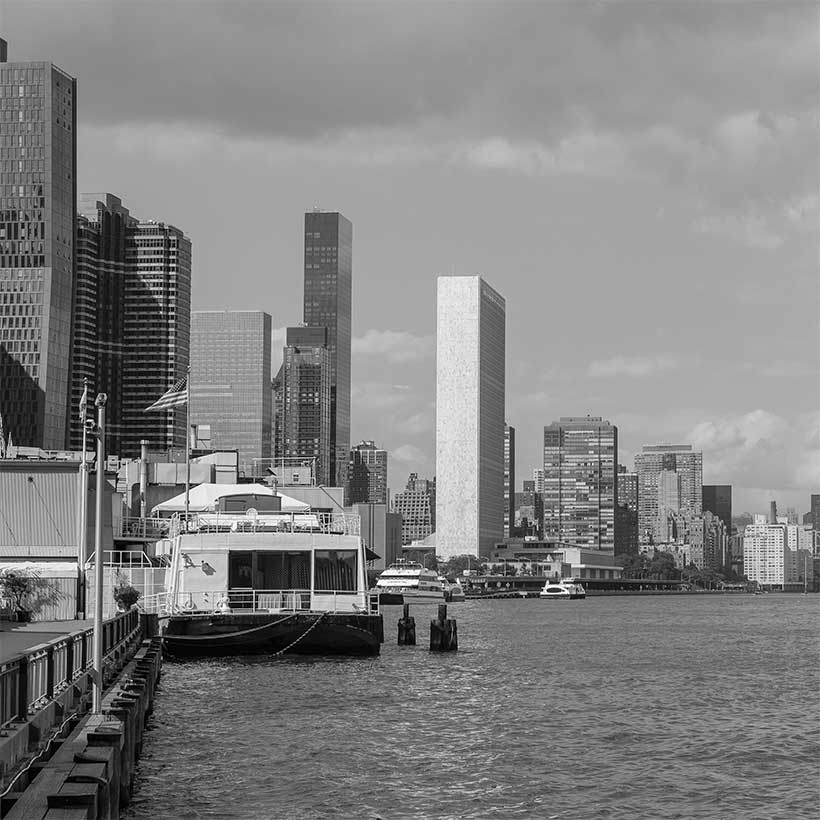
(367, 474)
(681, 491)
(416, 504)
(509, 479)
(470, 379)
(38, 194)
(230, 382)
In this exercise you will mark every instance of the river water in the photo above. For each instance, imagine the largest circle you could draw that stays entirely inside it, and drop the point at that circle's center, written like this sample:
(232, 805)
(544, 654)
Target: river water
(695, 706)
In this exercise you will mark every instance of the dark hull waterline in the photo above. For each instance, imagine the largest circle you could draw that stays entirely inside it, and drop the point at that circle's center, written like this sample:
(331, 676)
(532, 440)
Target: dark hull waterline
(307, 633)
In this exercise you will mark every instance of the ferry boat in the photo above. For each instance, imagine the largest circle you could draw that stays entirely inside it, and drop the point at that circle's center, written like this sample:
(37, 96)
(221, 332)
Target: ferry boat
(408, 582)
(266, 582)
(453, 591)
(566, 588)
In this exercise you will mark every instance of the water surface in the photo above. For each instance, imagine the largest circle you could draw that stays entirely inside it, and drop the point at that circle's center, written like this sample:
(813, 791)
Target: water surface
(699, 706)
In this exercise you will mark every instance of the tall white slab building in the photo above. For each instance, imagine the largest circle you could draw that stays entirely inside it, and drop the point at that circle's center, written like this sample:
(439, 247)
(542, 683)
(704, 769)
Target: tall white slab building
(470, 363)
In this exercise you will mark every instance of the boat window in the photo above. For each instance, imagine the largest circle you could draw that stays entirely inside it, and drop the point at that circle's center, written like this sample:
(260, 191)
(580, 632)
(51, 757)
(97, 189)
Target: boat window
(335, 570)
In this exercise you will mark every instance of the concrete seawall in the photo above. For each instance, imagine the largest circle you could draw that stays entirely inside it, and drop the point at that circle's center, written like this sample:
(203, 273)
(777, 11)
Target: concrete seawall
(86, 770)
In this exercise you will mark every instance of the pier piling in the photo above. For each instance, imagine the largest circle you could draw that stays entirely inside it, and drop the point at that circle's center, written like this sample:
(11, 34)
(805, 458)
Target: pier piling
(443, 632)
(407, 628)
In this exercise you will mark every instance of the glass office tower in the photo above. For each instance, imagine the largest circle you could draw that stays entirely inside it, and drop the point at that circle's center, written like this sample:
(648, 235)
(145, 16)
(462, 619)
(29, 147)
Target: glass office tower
(327, 303)
(581, 482)
(230, 382)
(38, 156)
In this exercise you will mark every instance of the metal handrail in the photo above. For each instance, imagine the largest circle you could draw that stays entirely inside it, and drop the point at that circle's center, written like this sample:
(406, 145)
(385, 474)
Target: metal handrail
(31, 679)
(259, 600)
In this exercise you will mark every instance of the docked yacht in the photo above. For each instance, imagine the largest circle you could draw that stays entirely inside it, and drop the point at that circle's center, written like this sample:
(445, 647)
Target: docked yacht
(566, 588)
(408, 582)
(244, 575)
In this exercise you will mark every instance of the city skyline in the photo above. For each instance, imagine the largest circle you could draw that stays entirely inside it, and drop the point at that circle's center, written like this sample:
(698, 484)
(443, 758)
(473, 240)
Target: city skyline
(726, 262)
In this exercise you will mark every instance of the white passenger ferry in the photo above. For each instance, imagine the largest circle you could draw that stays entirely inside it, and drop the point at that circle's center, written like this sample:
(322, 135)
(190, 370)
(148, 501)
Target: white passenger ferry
(406, 582)
(566, 588)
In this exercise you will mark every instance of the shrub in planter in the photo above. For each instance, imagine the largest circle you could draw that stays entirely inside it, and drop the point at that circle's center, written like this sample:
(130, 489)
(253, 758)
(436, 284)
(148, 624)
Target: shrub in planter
(126, 596)
(16, 587)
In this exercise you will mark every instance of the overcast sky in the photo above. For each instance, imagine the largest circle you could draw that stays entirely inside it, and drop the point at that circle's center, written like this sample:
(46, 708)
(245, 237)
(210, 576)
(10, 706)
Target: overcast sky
(638, 180)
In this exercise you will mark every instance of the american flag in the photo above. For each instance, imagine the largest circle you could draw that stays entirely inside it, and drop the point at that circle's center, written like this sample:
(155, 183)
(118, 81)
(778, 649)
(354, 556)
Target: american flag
(173, 397)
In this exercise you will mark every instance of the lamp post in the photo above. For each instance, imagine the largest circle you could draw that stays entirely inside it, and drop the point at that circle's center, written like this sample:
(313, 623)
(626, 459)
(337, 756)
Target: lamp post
(98, 555)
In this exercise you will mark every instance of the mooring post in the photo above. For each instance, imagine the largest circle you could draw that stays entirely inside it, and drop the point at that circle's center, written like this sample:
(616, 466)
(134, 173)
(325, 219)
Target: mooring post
(443, 632)
(407, 628)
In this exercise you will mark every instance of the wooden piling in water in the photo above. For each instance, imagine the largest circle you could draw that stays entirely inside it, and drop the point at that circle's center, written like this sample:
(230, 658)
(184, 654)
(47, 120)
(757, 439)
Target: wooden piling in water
(407, 628)
(443, 632)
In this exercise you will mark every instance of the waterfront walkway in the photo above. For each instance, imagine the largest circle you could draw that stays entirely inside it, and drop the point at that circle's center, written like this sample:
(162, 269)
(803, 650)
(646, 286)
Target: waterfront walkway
(16, 637)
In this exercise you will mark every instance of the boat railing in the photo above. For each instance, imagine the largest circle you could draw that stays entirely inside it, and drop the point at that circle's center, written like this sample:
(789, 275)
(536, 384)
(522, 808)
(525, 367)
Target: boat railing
(145, 529)
(285, 522)
(248, 601)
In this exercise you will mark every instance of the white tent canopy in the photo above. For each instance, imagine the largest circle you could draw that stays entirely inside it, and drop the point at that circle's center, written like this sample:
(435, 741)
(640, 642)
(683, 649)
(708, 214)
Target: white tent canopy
(203, 497)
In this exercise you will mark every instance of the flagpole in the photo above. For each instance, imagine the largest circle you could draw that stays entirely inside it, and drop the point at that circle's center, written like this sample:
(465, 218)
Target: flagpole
(82, 524)
(187, 445)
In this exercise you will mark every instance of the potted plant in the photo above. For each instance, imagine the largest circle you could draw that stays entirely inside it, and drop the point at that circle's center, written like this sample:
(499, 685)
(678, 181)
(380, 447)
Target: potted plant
(16, 587)
(126, 596)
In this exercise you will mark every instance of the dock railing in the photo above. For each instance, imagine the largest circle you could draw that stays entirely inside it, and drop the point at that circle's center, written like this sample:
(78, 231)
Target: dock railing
(32, 678)
(249, 601)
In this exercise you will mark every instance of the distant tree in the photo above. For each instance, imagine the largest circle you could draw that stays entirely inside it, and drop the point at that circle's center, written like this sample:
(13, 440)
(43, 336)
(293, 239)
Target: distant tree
(455, 566)
(634, 566)
(661, 567)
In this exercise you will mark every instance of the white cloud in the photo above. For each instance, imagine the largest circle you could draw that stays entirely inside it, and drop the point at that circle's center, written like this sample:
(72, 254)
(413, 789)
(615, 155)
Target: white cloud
(396, 346)
(421, 422)
(746, 135)
(637, 367)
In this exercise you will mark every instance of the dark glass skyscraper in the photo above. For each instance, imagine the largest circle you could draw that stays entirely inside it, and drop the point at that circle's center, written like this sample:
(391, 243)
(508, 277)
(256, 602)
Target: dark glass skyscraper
(717, 499)
(328, 303)
(38, 157)
(132, 323)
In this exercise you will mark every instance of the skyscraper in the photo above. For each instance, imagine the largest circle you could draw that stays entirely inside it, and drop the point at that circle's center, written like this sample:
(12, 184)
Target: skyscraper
(659, 489)
(417, 505)
(626, 514)
(38, 196)
(717, 499)
(99, 345)
(132, 323)
(367, 474)
(581, 482)
(305, 387)
(158, 310)
(328, 303)
(470, 375)
(509, 479)
(230, 382)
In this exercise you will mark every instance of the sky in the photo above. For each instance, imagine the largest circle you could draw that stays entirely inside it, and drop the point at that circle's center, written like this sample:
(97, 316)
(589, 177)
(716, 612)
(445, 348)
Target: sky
(639, 180)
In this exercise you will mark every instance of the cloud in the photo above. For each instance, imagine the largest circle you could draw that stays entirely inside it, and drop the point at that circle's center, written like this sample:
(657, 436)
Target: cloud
(637, 367)
(408, 454)
(421, 422)
(396, 346)
(750, 228)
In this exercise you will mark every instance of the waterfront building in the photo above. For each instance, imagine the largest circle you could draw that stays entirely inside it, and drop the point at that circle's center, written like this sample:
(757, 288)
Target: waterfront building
(773, 556)
(132, 323)
(306, 405)
(509, 479)
(230, 382)
(470, 376)
(682, 491)
(367, 474)
(328, 304)
(417, 506)
(581, 482)
(38, 194)
(626, 513)
(577, 562)
(381, 532)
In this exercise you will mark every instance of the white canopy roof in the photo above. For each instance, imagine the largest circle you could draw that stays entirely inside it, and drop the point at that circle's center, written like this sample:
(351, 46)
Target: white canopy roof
(202, 498)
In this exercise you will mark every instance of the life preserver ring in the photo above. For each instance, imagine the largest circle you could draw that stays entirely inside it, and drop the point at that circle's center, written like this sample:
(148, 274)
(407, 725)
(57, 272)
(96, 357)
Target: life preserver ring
(223, 605)
(188, 606)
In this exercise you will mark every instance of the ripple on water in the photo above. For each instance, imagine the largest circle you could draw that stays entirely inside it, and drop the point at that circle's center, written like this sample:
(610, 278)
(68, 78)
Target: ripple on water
(660, 707)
